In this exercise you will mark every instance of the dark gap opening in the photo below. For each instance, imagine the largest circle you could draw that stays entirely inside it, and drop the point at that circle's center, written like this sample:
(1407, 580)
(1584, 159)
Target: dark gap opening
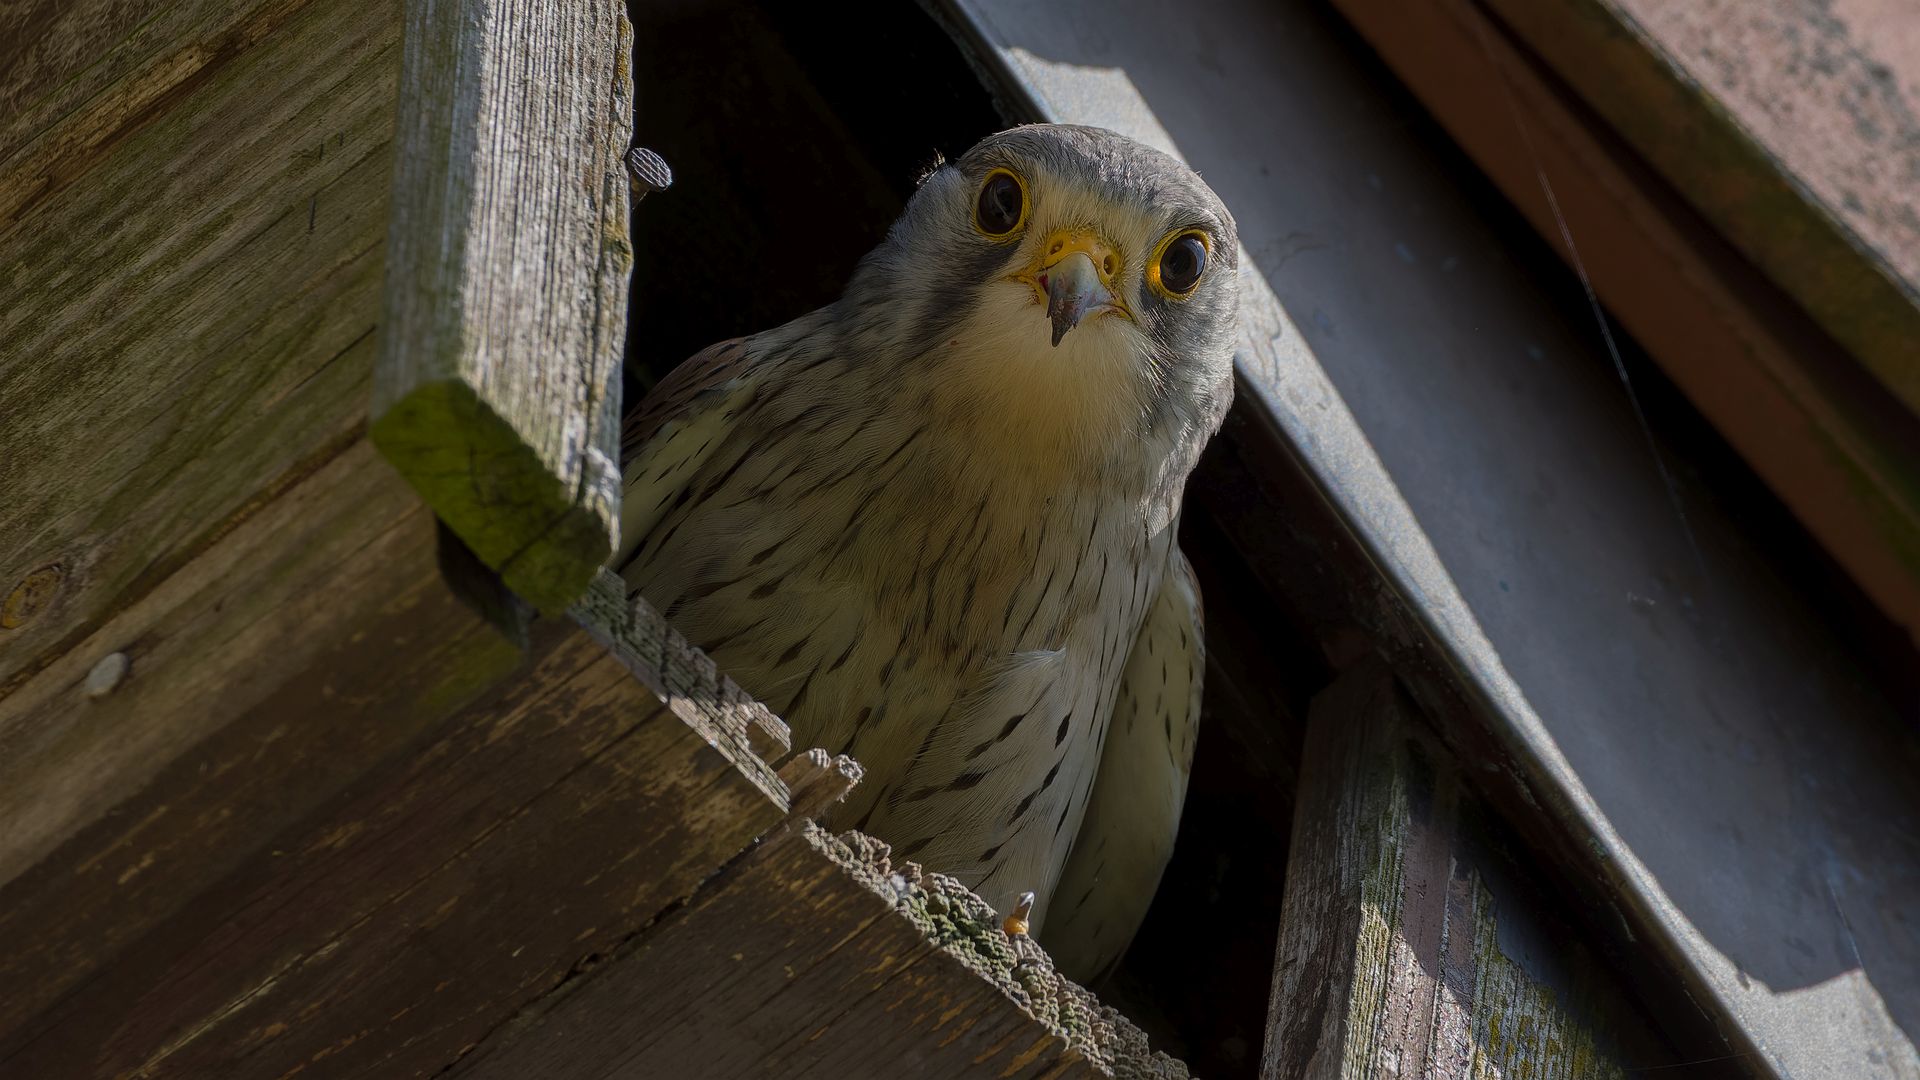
(790, 160)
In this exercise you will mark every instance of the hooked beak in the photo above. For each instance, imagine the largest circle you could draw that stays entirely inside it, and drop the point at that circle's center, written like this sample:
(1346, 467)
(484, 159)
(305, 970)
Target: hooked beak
(1074, 279)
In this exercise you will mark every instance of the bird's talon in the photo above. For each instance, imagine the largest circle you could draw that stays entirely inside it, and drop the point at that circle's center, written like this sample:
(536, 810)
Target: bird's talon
(1016, 923)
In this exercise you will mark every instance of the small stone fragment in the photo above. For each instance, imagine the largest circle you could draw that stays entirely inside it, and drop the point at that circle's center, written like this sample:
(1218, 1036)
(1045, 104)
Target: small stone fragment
(106, 674)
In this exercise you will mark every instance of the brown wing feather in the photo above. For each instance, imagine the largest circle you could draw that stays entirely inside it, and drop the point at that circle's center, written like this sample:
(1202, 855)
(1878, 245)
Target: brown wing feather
(665, 439)
(702, 373)
(1127, 834)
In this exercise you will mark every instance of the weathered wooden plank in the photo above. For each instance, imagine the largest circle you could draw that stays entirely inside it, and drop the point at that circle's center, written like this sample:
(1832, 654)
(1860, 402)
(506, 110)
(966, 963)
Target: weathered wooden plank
(282, 664)
(1773, 384)
(1789, 125)
(1392, 958)
(484, 864)
(190, 309)
(816, 957)
(76, 79)
(498, 388)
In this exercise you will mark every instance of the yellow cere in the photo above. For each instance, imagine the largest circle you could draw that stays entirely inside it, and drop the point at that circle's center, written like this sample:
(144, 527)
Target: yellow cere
(1062, 243)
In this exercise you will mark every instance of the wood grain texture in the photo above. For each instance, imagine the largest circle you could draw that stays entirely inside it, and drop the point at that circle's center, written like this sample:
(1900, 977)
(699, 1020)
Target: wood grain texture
(815, 957)
(1790, 125)
(337, 844)
(1392, 958)
(483, 860)
(1769, 379)
(274, 670)
(498, 387)
(193, 264)
(77, 79)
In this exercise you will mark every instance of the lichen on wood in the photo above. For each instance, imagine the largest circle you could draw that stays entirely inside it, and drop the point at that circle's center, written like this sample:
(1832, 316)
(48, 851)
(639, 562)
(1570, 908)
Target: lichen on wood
(966, 928)
(1390, 960)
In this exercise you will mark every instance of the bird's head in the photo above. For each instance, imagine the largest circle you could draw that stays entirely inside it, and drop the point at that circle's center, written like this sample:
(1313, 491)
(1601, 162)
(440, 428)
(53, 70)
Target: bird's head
(1068, 282)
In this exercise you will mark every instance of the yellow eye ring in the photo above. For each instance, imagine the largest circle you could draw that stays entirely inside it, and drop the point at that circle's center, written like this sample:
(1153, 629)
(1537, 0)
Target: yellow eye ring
(1000, 210)
(1177, 282)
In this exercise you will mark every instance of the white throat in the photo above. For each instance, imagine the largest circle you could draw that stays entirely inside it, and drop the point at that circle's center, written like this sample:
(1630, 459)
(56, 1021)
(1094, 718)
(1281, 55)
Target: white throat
(1077, 405)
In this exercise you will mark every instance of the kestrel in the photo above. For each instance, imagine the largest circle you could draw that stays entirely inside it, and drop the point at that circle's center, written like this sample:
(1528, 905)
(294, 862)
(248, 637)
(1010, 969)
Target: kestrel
(933, 523)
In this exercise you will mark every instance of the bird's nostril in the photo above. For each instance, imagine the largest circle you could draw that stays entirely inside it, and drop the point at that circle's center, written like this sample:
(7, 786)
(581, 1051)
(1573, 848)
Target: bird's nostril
(1055, 249)
(1107, 263)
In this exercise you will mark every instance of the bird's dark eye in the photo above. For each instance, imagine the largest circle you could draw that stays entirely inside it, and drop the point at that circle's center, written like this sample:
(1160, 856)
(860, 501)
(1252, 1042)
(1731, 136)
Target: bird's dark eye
(1181, 263)
(1002, 206)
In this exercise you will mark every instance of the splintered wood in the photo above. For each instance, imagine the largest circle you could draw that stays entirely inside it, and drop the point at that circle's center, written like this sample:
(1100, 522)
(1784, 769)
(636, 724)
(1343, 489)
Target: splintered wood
(681, 675)
(1394, 960)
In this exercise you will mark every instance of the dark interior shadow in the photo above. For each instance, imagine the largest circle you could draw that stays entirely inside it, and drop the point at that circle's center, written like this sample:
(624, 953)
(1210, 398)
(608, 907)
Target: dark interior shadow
(788, 165)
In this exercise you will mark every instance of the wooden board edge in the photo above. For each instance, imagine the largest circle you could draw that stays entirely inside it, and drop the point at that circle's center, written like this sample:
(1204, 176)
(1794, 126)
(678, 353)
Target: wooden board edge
(492, 489)
(1628, 76)
(497, 393)
(686, 679)
(963, 928)
(1761, 370)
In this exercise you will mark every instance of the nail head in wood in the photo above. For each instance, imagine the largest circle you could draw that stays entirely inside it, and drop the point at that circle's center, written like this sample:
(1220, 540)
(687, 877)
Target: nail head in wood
(648, 171)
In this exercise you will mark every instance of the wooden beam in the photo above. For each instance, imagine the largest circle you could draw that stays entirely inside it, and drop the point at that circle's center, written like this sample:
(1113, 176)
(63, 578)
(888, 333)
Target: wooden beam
(557, 856)
(1788, 125)
(254, 685)
(497, 392)
(1393, 952)
(78, 78)
(816, 956)
(470, 865)
(1770, 380)
(193, 205)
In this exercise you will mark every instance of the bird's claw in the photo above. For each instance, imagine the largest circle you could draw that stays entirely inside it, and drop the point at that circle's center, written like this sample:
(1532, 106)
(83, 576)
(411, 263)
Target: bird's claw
(1015, 924)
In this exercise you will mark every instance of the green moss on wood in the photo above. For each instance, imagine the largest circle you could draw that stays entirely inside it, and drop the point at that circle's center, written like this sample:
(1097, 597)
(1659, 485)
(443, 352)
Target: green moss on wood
(1518, 1027)
(1521, 1030)
(494, 491)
